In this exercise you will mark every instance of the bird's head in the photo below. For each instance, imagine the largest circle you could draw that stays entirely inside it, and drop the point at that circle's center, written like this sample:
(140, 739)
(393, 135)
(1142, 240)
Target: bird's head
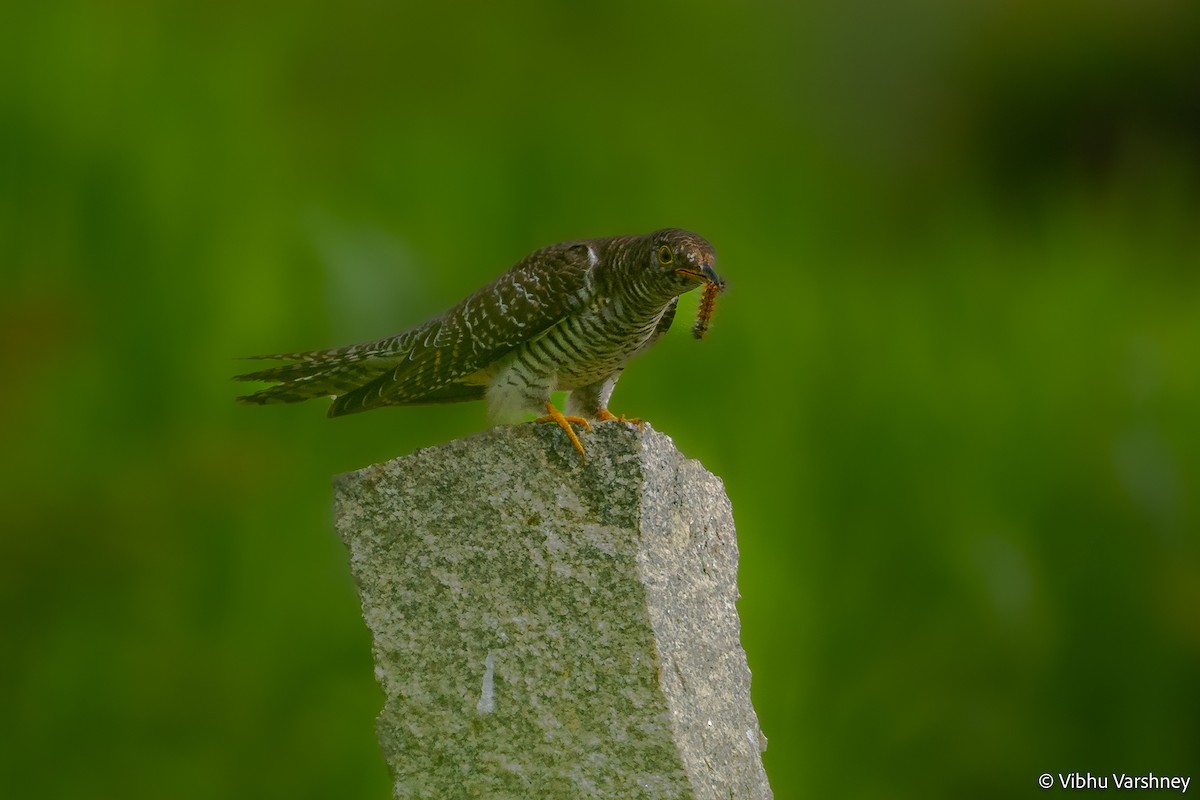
(683, 258)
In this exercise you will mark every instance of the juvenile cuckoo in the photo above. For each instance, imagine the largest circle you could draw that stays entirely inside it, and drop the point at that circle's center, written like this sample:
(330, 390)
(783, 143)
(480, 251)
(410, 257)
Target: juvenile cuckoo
(567, 317)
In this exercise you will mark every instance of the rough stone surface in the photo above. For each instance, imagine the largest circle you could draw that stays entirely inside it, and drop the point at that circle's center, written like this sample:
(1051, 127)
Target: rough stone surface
(550, 629)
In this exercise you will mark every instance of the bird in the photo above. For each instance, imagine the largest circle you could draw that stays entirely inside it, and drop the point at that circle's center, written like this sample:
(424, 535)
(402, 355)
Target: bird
(567, 317)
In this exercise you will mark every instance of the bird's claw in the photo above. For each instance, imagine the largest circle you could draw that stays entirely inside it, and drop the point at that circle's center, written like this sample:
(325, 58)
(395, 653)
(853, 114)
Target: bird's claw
(607, 416)
(565, 422)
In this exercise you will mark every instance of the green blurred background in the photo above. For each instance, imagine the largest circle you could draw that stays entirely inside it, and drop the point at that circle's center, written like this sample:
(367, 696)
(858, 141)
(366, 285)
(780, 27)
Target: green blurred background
(953, 391)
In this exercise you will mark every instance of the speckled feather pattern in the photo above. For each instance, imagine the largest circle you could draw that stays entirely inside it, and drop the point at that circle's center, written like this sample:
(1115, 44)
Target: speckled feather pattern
(566, 317)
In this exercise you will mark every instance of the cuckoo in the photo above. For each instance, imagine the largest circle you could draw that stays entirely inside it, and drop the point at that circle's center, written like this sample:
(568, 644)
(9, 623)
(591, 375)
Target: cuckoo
(568, 317)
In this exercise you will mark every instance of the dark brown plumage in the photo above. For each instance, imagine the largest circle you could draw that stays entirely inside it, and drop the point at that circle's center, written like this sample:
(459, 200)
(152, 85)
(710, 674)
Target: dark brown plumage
(567, 317)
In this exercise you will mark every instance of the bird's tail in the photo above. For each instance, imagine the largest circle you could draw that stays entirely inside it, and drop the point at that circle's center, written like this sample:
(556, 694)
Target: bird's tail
(318, 373)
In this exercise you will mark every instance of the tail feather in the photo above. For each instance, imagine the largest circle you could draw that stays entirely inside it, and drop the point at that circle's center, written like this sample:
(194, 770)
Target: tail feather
(284, 373)
(352, 374)
(306, 381)
(322, 373)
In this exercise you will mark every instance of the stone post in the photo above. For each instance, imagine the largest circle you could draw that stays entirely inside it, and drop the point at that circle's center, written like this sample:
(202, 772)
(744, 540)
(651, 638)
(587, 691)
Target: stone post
(545, 628)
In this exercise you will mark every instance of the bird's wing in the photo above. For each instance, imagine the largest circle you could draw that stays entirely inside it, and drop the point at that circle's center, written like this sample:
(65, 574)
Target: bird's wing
(515, 308)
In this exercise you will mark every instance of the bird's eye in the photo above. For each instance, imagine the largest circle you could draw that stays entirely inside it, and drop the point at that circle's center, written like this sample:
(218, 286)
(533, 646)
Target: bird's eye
(665, 256)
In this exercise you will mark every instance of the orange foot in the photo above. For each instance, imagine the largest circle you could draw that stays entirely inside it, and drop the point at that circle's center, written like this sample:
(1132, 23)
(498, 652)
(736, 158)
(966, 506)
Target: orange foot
(564, 422)
(607, 416)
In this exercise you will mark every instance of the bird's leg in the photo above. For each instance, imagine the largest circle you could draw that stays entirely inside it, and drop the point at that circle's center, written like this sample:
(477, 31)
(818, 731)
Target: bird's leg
(592, 401)
(564, 422)
(604, 415)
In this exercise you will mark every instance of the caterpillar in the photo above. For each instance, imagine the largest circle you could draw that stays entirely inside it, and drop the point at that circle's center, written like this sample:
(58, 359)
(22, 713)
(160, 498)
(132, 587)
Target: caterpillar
(708, 301)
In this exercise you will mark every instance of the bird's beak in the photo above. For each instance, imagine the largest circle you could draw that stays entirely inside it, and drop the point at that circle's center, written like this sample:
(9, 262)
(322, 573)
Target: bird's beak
(705, 274)
(712, 276)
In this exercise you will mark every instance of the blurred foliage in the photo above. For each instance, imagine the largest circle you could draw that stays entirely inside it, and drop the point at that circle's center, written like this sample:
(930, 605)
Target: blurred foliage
(952, 391)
